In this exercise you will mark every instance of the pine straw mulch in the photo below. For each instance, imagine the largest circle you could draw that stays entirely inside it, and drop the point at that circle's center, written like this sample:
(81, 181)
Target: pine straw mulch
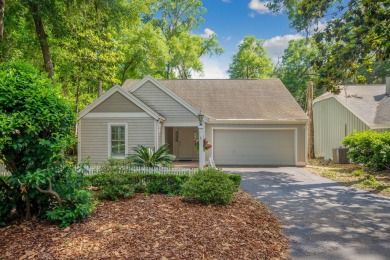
(154, 227)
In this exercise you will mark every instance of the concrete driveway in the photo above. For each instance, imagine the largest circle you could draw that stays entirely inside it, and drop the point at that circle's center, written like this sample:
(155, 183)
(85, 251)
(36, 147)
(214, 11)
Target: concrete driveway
(323, 219)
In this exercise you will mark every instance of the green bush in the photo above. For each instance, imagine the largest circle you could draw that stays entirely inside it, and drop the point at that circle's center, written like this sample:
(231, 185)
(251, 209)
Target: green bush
(141, 182)
(358, 173)
(77, 205)
(370, 148)
(209, 187)
(115, 192)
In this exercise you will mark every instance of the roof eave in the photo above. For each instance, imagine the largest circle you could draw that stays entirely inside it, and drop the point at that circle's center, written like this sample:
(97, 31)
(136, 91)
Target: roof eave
(258, 121)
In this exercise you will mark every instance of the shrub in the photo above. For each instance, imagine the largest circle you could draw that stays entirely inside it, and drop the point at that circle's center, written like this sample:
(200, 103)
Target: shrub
(147, 157)
(370, 148)
(115, 192)
(141, 182)
(36, 128)
(209, 187)
(77, 205)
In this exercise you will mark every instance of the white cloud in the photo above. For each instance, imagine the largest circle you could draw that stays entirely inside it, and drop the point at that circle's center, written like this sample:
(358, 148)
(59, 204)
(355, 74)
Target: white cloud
(320, 27)
(226, 1)
(259, 7)
(212, 68)
(207, 33)
(276, 45)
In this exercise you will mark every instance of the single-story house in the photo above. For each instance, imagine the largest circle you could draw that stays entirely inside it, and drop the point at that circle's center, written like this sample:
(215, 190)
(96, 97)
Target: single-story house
(247, 122)
(355, 108)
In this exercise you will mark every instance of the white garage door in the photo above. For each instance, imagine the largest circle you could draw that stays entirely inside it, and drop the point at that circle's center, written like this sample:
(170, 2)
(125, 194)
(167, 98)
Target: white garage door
(254, 147)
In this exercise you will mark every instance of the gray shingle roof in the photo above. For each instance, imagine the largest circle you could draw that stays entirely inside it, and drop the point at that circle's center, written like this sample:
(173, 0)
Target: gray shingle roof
(264, 99)
(369, 102)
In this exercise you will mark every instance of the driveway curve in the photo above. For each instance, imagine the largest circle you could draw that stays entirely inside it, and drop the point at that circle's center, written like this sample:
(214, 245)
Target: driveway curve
(324, 219)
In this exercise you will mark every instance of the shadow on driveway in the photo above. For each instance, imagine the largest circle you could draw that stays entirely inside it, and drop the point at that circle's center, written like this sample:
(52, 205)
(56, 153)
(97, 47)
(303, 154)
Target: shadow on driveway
(323, 219)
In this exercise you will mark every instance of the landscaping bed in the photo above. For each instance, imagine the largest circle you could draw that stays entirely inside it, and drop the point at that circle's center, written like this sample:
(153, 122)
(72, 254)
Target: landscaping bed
(154, 227)
(353, 175)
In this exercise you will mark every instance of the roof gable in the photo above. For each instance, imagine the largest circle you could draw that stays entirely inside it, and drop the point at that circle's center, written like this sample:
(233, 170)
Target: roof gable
(367, 102)
(166, 90)
(134, 101)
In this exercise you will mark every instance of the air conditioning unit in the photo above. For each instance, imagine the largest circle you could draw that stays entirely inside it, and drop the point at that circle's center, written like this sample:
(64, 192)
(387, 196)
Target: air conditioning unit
(340, 155)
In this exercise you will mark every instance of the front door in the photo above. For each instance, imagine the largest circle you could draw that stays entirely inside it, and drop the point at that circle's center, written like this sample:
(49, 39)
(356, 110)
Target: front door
(186, 149)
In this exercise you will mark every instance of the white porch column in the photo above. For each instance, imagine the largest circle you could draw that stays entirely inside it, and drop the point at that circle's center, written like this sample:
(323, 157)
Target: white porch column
(201, 135)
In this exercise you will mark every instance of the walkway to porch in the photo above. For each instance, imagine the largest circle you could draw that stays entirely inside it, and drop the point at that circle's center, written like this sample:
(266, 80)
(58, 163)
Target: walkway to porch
(185, 164)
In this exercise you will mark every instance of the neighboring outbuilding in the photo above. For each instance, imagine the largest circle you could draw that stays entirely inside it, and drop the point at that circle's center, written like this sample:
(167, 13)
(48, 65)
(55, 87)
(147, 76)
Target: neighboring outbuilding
(248, 122)
(355, 108)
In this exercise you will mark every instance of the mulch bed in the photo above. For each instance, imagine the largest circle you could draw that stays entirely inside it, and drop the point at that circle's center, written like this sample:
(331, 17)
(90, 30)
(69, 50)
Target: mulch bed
(154, 227)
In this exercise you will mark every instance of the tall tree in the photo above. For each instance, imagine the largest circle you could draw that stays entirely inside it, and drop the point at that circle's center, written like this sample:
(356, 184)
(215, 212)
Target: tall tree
(251, 60)
(176, 20)
(296, 69)
(357, 34)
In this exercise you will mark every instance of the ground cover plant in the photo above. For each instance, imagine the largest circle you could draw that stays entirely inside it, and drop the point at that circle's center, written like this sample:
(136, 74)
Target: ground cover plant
(353, 175)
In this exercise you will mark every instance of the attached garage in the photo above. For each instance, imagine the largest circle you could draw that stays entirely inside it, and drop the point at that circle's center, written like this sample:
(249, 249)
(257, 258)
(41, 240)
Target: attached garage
(255, 146)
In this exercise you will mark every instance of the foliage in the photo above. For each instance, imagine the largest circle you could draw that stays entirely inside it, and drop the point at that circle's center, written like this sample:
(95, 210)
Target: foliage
(209, 187)
(206, 144)
(370, 148)
(117, 191)
(77, 205)
(355, 37)
(251, 60)
(370, 181)
(147, 157)
(149, 183)
(36, 125)
(296, 69)
(142, 182)
(358, 173)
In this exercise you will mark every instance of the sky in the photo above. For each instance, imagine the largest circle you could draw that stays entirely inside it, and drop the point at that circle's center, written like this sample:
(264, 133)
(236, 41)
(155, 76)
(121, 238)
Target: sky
(232, 20)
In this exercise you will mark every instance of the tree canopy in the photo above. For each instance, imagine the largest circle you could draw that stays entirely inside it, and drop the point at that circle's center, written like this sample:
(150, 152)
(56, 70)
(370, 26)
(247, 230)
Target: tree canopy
(87, 46)
(251, 60)
(355, 37)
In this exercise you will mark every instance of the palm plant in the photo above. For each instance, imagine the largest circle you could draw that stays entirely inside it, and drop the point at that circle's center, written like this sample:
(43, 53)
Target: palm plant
(147, 157)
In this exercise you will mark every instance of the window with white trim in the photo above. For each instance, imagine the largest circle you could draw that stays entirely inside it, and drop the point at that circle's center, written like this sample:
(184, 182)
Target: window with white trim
(117, 145)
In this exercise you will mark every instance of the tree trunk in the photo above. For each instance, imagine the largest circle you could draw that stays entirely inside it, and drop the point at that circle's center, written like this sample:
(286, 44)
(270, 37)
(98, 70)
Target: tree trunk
(100, 88)
(2, 11)
(310, 125)
(42, 37)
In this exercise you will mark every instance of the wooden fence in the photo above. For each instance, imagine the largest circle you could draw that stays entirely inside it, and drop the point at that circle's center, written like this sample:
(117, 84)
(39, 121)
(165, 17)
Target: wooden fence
(124, 169)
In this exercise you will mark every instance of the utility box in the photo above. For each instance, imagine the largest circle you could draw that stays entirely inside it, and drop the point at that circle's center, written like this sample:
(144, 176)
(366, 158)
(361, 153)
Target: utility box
(340, 155)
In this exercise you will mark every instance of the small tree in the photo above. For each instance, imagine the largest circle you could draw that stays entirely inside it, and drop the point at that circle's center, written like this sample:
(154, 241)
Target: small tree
(35, 126)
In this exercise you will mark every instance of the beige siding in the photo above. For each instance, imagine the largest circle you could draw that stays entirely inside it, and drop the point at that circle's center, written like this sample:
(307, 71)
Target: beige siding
(117, 103)
(94, 136)
(301, 136)
(332, 122)
(163, 103)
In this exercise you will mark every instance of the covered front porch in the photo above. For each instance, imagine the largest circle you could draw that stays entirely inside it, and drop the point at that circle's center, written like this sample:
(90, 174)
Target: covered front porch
(181, 141)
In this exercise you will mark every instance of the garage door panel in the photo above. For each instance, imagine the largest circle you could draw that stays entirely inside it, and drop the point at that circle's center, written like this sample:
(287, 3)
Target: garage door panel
(254, 147)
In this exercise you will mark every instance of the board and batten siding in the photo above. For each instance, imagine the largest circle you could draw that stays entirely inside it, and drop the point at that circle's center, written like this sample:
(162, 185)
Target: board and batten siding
(94, 136)
(332, 122)
(116, 103)
(163, 104)
(301, 135)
